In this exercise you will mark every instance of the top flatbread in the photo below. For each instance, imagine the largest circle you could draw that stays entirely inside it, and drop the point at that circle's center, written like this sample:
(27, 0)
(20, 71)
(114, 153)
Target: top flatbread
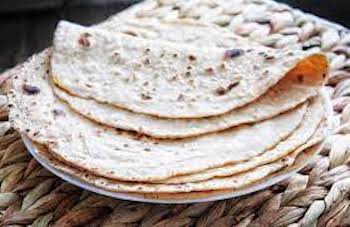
(170, 79)
(37, 113)
(285, 95)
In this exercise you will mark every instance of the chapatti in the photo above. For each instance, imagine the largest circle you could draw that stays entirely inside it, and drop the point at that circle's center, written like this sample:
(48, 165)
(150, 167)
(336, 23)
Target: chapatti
(167, 79)
(234, 182)
(285, 95)
(282, 149)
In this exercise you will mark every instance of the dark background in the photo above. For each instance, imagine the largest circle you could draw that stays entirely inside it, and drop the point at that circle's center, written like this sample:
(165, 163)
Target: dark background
(27, 25)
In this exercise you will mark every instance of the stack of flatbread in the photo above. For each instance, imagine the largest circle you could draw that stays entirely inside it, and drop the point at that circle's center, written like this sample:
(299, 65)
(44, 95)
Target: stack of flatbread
(169, 108)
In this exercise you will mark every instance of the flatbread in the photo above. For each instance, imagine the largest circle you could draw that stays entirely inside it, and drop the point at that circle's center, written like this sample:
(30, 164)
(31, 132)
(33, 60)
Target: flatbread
(282, 149)
(285, 95)
(301, 159)
(155, 76)
(125, 156)
(236, 181)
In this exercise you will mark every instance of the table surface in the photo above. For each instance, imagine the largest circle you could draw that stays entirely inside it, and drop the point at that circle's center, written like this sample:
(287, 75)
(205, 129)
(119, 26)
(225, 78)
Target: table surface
(27, 26)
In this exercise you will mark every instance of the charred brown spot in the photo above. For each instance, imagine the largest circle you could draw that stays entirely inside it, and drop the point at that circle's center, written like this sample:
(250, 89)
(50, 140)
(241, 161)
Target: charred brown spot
(146, 97)
(223, 90)
(58, 112)
(223, 66)
(132, 33)
(88, 85)
(232, 85)
(269, 57)
(176, 77)
(30, 89)
(324, 75)
(220, 91)
(209, 70)
(300, 78)
(192, 57)
(188, 73)
(233, 53)
(84, 39)
(147, 50)
(175, 55)
(180, 97)
(147, 61)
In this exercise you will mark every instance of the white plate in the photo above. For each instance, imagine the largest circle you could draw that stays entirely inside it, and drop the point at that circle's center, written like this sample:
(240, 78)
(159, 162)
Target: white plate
(211, 196)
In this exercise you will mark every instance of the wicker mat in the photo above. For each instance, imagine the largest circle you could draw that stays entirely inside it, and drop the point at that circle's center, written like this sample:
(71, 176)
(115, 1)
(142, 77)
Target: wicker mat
(318, 195)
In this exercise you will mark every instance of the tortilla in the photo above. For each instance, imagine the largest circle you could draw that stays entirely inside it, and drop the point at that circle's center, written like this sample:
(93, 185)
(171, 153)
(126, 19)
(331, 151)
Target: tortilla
(236, 181)
(301, 160)
(108, 184)
(281, 150)
(37, 113)
(285, 95)
(167, 79)
(233, 182)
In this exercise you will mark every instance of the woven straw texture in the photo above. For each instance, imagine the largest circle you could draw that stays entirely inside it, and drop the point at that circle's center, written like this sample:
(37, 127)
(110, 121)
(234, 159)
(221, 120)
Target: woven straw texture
(316, 196)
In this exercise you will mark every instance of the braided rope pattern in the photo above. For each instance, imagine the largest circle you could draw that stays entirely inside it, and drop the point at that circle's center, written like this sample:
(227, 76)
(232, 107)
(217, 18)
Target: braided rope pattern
(316, 196)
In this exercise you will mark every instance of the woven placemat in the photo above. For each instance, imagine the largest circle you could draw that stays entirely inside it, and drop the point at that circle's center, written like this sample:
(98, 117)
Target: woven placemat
(318, 195)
